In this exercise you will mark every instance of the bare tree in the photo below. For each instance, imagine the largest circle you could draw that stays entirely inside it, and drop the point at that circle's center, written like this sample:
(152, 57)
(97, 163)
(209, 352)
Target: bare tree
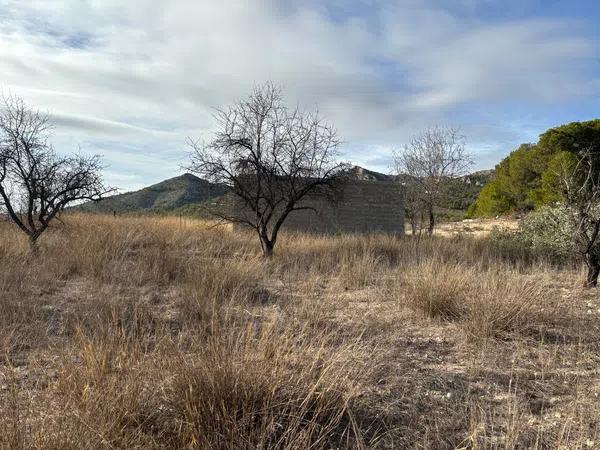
(271, 157)
(580, 182)
(431, 159)
(414, 208)
(36, 184)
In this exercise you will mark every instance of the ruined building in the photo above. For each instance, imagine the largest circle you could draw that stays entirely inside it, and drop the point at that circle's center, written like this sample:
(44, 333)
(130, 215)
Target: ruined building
(364, 204)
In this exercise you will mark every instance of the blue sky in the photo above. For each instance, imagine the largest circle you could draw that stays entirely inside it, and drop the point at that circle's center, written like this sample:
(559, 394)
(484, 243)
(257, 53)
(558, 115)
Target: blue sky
(132, 80)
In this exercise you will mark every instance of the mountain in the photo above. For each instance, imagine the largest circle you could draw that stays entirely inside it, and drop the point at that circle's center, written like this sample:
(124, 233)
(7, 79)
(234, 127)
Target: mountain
(361, 173)
(167, 196)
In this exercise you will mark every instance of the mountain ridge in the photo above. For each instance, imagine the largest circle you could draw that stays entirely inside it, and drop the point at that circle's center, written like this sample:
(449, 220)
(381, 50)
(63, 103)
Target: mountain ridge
(164, 196)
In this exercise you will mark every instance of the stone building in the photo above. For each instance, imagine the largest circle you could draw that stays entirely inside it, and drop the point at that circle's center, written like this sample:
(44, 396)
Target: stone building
(360, 206)
(366, 202)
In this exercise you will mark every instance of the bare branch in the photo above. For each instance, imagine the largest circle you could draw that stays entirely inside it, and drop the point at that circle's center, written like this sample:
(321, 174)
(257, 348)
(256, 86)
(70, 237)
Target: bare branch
(581, 193)
(271, 158)
(427, 163)
(36, 184)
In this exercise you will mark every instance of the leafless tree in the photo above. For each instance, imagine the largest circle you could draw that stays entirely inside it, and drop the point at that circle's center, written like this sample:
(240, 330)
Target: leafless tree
(431, 159)
(271, 157)
(580, 182)
(36, 184)
(414, 207)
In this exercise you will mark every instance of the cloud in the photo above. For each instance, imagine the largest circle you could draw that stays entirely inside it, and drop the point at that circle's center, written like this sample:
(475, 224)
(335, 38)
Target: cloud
(144, 75)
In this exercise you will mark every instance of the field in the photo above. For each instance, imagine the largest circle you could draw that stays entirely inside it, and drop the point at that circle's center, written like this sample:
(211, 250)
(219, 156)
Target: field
(474, 227)
(165, 333)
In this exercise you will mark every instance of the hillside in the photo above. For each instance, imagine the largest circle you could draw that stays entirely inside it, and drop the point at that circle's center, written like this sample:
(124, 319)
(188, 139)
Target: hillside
(166, 196)
(463, 191)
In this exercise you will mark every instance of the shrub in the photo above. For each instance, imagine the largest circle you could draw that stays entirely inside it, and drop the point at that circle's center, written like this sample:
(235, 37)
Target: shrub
(545, 235)
(548, 229)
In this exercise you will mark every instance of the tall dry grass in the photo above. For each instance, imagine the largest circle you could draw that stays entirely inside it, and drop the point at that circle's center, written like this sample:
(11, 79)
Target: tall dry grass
(488, 303)
(170, 333)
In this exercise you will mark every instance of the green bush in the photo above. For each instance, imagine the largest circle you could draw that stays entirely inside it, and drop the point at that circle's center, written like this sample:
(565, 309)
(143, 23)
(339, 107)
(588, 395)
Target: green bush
(543, 235)
(549, 229)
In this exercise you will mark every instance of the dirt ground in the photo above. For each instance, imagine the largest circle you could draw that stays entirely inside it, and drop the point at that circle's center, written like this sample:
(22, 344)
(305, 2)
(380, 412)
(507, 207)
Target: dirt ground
(472, 227)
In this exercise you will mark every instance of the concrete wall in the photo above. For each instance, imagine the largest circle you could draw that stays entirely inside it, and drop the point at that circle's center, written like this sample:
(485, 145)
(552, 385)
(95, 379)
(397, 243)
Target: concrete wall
(359, 207)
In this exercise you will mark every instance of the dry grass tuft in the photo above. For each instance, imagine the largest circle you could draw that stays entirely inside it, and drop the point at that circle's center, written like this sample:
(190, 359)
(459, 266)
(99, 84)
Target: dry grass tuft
(264, 391)
(438, 291)
(504, 305)
(492, 303)
(241, 389)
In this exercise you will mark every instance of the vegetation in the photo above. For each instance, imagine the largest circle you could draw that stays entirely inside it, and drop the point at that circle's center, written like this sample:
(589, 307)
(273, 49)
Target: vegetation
(162, 333)
(526, 179)
(546, 231)
(462, 192)
(36, 184)
(271, 158)
(426, 166)
(579, 181)
(563, 169)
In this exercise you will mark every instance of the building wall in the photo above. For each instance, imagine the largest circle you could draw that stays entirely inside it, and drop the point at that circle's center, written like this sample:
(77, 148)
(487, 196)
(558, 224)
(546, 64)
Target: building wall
(359, 207)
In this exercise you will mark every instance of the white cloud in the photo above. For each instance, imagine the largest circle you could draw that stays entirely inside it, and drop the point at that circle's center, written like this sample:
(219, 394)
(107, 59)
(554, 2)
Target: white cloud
(143, 74)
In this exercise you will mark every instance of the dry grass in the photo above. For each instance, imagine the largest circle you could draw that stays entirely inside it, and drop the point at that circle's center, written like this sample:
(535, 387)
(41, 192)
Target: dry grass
(492, 303)
(162, 333)
(438, 290)
(476, 227)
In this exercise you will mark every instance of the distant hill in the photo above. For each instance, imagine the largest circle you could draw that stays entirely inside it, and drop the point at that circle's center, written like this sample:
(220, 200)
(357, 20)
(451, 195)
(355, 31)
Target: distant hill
(463, 191)
(365, 174)
(167, 196)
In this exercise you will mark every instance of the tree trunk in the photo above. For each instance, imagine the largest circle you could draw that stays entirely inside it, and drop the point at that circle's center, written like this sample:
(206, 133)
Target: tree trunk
(431, 222)
(267, 249)
(33, 245)
(593, 264)
(411, 216)
(266, 244)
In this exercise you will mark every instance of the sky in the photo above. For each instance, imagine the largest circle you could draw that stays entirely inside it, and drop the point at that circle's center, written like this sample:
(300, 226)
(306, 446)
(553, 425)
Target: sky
(131, 80)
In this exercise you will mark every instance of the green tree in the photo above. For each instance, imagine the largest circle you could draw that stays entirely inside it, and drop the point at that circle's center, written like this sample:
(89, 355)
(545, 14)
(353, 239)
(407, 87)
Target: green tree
(526, 179)
(515, 178)
(552, 180)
